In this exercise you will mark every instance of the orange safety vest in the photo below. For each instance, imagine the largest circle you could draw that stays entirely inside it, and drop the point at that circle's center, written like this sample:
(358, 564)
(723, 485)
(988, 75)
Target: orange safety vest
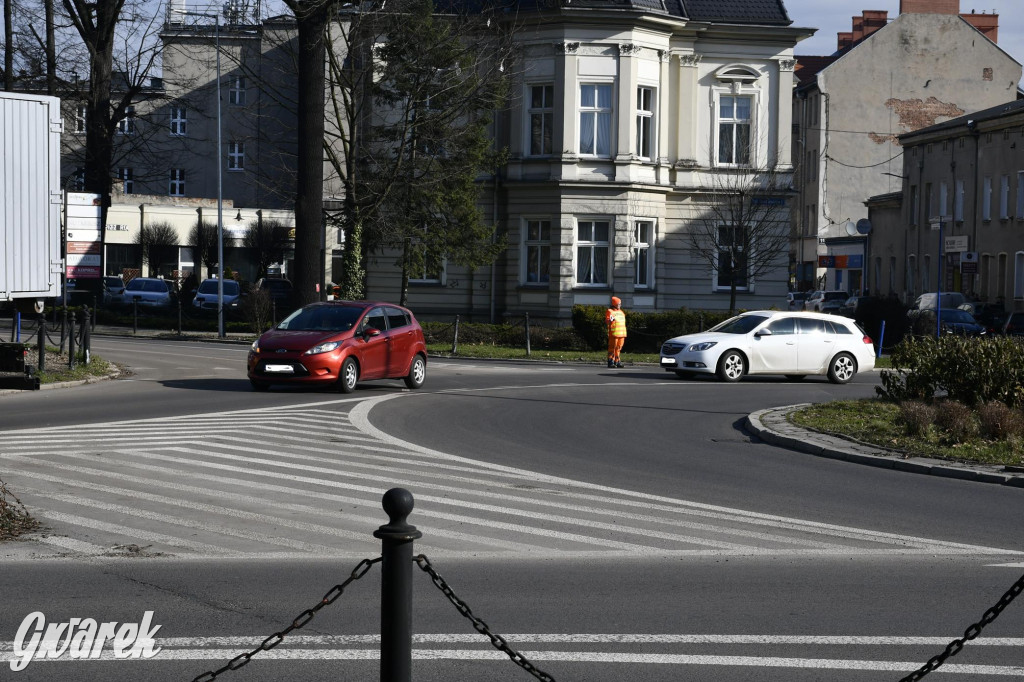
(616, 320)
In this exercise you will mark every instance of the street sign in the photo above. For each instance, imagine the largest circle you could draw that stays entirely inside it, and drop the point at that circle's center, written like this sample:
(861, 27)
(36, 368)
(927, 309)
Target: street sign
(969, 263)
(957, 244)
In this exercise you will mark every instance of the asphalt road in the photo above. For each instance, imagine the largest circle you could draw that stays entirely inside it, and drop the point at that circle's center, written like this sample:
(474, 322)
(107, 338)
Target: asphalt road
(632, 529)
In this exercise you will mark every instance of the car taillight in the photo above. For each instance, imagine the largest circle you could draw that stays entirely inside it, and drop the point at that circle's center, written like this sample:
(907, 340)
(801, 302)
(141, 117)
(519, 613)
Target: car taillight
(867, 339)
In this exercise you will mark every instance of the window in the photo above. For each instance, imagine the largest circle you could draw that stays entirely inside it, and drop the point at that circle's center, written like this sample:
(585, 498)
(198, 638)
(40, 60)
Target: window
(943, 199)
(78, 181)
(734, 130)
(236, 156)
(644, 122)
(914, 205)
(537, 252)
(236, 90)
(179, 123)
(425, 267)
(928, 198)
(1004, 197)
(592, 249)
(643, 245)
(81, 114)
(911, 275)
(958, 202)
(1018, 275)
(177, 184)
(542, 113)
(986, 198)
(397, 318)
(1020, 195)
(596, 120)
(127, 178)
(126, 126)
(732, 259)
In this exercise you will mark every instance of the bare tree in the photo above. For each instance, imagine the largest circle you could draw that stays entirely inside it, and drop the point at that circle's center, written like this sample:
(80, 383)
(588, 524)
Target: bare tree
(743, 230)
(158, 246)
(267, 239)
(202, 239)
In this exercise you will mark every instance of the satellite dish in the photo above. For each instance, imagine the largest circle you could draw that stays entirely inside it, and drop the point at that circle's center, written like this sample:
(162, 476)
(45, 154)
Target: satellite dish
(864, 226)
(851, 229)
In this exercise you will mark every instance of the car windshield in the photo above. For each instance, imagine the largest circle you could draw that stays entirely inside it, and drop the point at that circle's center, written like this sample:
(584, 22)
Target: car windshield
(143, 284)
(836, 296)
(743, 324)
(950, 315)
(328, 318)
(113, 282)
(209, 286)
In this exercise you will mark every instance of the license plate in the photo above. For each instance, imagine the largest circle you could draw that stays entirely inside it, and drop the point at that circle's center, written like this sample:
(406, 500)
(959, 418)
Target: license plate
(668, 361)
(281, 369)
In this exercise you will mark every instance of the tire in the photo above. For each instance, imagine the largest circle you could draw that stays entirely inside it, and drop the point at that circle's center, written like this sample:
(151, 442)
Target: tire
(796, 377)
(683, 374)
(348, 377)
(842, 368)
(259, 386)
(732, 366)
(417, 373)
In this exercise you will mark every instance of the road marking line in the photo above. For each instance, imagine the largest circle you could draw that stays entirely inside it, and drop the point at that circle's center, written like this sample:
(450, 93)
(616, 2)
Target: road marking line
(74, 520)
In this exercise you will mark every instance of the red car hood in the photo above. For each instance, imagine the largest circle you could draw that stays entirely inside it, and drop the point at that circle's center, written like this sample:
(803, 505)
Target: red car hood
(299, 341)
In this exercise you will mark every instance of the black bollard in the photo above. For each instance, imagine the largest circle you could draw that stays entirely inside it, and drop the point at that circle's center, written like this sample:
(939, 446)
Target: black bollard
(135, 316)
(41, 344)
(63, 328)
(71, 341)
(396, 587)
(86, 330)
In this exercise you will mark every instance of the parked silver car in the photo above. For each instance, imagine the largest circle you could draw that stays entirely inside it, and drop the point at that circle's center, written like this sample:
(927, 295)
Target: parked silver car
(206, 294)
(148, 291)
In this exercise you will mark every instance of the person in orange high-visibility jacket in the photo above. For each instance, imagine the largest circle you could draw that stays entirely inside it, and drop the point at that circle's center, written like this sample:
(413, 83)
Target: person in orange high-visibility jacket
(616, 320)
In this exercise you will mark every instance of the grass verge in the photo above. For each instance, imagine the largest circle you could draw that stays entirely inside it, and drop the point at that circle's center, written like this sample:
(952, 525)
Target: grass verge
(14, 518)
(876, 422)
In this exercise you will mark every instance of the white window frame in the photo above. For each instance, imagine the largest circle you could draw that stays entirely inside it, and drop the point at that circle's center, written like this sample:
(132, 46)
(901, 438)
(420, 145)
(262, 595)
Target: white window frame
(536, 238)
(734, 123)
(81, 118)
(646, 122)
(127, 178)
(544, 116)
(236, 156)
(178, 125)
(958, 202)
(986, 198)
(426, 276)
(642, 248)
(1018, 275)
(236, 90)
(716, 283)
(1004, 197)
(1020, 195)
(176, 184)
(588, 247)
(126, 126)
(597, 112)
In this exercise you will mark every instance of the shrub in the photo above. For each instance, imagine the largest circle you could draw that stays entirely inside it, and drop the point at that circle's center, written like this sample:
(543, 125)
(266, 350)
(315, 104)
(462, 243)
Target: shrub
(646, 331)
(956, 420)
(916, 417)
(1000, 422)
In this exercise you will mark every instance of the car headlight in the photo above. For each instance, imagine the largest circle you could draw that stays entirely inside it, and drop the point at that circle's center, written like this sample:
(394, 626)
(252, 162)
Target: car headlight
(323, 348)
(255, 348)
(705, 345)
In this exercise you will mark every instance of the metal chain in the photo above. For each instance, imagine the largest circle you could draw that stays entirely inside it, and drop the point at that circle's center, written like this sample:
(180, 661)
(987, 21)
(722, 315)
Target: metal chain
(954, 647)
(300, 621)
(497, 641)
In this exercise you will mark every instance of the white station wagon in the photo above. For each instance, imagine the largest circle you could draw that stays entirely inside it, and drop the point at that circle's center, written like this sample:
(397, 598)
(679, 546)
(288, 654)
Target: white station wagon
(794, 344)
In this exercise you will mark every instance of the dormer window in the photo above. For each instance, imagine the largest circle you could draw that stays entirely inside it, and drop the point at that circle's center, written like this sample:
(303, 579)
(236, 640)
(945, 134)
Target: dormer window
(737, 74)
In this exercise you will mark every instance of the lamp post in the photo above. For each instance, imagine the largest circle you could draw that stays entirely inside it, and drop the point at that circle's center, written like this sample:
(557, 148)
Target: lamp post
(220, 172)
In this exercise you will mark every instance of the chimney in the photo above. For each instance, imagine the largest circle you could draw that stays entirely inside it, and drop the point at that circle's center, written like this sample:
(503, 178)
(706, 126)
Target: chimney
(986, 23)
(929, 6)
(867, 23)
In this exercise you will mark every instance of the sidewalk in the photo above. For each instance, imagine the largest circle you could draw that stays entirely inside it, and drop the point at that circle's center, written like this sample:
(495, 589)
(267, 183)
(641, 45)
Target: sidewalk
(773, 426)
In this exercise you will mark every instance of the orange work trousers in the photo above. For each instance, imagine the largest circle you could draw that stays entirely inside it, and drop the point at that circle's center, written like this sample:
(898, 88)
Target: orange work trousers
(615, 347)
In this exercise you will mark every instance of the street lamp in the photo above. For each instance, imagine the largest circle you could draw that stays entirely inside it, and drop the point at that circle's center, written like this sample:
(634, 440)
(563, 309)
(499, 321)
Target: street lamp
(220, 193)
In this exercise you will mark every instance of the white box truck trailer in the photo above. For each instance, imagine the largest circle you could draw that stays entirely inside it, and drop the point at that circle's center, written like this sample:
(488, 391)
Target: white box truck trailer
(30, 198)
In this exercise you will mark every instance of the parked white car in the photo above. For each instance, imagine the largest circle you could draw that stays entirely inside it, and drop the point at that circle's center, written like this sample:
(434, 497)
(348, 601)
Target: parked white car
(820, 301)
(794, 344)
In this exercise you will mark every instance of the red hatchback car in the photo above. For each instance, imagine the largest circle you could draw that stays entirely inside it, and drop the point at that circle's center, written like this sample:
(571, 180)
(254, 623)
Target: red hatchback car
(340, 343)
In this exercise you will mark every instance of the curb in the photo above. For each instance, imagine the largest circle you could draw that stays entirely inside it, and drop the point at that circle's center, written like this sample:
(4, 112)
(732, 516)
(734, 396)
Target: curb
(113, 374)
(772, 426)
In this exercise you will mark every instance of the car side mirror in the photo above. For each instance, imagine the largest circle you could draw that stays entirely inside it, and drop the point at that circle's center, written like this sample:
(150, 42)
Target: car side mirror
(370, 331)
(764, 332)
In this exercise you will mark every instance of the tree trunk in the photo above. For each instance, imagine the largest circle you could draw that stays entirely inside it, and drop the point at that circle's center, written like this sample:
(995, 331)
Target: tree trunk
(8, 46)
